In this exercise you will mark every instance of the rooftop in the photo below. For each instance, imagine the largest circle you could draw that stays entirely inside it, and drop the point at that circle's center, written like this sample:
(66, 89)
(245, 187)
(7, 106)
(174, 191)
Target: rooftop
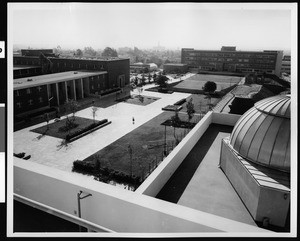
(200, 184)
(53, 78)
(175, 64)
(18, 67)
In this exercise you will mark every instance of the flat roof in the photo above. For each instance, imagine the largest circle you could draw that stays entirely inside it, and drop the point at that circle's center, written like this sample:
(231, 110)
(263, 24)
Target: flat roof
(53, 78)
(18, 67)
(82, 58)
(200, 184)
(175, 64)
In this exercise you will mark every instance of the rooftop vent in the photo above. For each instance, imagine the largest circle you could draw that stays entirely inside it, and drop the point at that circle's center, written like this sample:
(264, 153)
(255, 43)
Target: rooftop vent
(75, 72)
(29, 79)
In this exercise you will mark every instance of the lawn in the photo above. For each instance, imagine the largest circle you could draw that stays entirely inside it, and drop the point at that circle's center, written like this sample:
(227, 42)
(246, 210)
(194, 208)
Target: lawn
(54, 127)
(147, 144)
(197, 81)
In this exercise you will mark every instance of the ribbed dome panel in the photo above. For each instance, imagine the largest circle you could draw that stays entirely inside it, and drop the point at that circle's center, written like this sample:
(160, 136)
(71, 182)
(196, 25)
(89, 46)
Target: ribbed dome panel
(262, 134)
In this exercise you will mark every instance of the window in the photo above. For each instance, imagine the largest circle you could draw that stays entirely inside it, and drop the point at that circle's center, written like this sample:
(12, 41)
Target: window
(28, 91)
(19, 104)
(41, 100)
(30, 102)
(92, 87)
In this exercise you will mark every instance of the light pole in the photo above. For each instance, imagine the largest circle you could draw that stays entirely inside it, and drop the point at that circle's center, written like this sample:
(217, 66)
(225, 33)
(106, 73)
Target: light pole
(78, 201)
(130, 153)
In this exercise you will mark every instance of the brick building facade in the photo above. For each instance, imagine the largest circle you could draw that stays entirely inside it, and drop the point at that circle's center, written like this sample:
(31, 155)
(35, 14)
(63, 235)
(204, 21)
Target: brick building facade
(228, 59)
(63, 79)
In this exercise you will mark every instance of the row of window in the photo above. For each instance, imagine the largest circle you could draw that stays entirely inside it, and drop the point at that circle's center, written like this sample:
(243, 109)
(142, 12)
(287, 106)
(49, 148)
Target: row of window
(34, 62)
(29, 90)
(30, 102)
(229, 60)
(238, 55)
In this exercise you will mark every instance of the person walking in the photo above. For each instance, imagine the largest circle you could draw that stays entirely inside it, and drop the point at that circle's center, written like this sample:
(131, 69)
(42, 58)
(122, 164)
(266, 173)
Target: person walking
(133, 120)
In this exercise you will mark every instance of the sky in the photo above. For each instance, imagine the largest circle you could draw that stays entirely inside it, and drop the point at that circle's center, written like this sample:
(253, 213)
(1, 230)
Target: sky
(145, 25)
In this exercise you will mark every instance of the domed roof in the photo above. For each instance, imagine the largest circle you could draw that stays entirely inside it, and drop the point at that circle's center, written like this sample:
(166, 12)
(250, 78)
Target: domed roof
(262, 134)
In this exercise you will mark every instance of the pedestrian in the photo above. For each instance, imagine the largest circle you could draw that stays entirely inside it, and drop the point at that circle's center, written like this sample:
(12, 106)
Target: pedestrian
(133, 120)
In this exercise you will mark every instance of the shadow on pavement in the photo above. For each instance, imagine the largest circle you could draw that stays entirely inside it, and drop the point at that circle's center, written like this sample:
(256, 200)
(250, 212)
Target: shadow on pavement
(178, 182)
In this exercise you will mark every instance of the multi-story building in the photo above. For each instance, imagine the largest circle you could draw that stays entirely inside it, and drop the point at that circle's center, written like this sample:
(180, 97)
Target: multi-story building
(38, 78)
(174, 67)
(286, 64)
(228, 59)
(140, 67)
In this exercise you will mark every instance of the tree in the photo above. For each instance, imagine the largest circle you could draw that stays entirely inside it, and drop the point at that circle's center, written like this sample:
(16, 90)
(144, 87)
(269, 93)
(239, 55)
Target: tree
(162, 81)
(149, 78)
(94, 110)
(89, 51)
(190, 109)
(78, 53)
(209, 87)
(109, 52)
(72, 106)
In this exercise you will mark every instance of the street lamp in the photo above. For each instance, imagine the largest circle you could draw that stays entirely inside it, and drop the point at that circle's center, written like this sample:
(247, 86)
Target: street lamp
(78, 201)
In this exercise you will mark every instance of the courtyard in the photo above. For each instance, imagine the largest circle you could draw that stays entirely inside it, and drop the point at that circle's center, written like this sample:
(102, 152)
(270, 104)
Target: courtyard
(197, 81)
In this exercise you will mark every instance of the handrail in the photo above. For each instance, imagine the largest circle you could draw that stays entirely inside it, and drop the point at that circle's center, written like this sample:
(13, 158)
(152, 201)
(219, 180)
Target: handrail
(71, 218)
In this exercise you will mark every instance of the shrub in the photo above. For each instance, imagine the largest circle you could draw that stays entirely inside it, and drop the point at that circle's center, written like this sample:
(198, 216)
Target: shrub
(82, 166)
(79, 132)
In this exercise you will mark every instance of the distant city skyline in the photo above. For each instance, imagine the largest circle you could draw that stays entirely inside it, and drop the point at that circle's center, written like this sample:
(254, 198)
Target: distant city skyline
(145, 25)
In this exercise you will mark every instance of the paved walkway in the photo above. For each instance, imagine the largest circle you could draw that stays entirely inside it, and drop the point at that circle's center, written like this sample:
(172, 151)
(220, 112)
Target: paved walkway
(49, 151)
(200, 184)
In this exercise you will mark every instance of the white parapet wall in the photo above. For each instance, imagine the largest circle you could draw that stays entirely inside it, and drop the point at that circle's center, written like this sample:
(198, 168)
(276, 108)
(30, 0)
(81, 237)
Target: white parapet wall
(113, 208)
(159, 177)
(225, 118)
(154, 183)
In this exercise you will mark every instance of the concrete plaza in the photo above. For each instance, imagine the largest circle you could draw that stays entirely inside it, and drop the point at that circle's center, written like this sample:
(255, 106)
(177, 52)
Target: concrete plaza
(50, 151)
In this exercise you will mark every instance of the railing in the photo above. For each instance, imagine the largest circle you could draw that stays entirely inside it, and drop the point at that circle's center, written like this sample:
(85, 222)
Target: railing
(71, 218)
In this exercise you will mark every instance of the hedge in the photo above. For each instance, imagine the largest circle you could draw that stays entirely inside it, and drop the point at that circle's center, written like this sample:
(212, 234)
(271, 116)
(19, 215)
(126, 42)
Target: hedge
(180, 102)
(79, 132)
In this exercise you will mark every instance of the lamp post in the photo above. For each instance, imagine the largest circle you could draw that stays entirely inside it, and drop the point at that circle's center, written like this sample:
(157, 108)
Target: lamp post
(78, 201)
(130, 153)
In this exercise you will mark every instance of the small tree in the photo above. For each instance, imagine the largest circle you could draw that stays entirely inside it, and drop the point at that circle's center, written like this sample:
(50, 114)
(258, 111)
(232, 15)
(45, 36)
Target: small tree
(162, 81)
(94, 110)
(190, 109)
(210, 87)
(72, 106)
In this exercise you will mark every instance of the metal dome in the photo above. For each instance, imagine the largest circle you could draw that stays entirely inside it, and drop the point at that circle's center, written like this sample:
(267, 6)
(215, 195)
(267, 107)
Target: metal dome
(262, 134)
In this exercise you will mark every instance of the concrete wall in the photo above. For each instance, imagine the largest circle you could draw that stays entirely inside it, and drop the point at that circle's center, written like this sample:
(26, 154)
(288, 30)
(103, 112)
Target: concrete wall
(261, 201)
(241, 180)
(158, 178)
(273, 205)
(111, 207)
(224, 118)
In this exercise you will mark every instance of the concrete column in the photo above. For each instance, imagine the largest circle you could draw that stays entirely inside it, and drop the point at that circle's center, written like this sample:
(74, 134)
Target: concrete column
(57, 93)
(66, 90)
(82, 92)
(74, 89)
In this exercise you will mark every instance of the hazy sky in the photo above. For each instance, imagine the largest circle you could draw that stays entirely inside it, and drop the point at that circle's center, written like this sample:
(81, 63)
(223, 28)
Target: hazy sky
(144, 25)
